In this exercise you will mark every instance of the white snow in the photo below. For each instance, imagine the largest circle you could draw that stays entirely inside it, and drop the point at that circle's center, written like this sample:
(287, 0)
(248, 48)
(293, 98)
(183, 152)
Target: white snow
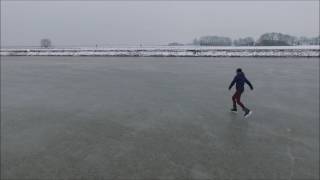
(209, 51)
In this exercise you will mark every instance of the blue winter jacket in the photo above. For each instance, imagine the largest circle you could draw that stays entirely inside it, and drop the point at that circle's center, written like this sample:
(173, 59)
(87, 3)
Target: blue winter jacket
(240, 79)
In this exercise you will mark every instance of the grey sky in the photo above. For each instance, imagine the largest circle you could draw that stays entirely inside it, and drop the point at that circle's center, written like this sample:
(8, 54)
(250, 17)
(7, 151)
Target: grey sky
(160, 22)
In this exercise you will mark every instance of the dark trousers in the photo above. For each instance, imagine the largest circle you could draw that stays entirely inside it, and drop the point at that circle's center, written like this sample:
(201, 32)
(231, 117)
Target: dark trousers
(236, 100)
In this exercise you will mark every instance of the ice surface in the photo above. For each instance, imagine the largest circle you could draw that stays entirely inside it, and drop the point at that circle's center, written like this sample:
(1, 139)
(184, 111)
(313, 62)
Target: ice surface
(157, 118)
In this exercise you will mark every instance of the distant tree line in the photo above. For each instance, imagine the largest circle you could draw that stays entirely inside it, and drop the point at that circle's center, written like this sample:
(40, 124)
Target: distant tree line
(266, 39)
(175, 44)
(248, 41)
(213, 41)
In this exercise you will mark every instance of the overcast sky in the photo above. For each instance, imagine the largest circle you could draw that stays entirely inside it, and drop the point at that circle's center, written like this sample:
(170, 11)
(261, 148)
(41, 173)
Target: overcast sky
(24, 23)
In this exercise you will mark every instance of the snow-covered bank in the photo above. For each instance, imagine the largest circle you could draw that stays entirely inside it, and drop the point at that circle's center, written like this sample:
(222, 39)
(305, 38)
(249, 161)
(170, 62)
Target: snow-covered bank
(193, 51)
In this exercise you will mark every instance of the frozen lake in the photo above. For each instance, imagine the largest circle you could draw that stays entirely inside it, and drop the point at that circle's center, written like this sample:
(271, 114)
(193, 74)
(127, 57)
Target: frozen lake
(159, 118)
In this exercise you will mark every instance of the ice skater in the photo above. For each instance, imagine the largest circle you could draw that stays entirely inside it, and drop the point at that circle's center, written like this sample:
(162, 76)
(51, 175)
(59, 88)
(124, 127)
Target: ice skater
(240, 79)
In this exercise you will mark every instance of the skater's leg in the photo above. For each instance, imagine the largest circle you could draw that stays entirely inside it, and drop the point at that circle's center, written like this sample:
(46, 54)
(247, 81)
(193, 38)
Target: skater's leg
(234, 97)
(247, 111)
(238, 100)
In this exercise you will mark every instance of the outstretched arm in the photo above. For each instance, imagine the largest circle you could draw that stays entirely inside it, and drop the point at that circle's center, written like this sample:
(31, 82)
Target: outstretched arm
(249, 83)
(232, 83)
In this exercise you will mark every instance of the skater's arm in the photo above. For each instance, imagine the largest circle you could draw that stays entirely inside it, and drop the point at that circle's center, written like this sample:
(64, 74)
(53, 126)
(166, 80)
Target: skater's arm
(249, 83)
(232, 83)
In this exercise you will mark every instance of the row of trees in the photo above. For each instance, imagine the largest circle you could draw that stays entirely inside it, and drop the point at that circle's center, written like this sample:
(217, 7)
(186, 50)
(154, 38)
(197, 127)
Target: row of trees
(267, 39)
(213, 41)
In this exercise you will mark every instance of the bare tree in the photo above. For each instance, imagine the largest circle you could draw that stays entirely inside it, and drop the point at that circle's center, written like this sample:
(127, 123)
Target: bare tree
(276, 39)
(45, 43)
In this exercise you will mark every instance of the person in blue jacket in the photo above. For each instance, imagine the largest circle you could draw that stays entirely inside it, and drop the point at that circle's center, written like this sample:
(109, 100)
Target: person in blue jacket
(240, 79)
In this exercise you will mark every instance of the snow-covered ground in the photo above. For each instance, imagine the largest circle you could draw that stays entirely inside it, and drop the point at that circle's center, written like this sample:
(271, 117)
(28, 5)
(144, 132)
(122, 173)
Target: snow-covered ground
(204, 51)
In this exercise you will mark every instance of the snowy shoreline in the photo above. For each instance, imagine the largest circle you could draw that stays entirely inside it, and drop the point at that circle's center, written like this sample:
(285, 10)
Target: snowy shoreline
(174, 51)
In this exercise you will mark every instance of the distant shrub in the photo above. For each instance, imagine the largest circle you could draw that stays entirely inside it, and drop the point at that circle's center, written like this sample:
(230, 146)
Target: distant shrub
(45, 43)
